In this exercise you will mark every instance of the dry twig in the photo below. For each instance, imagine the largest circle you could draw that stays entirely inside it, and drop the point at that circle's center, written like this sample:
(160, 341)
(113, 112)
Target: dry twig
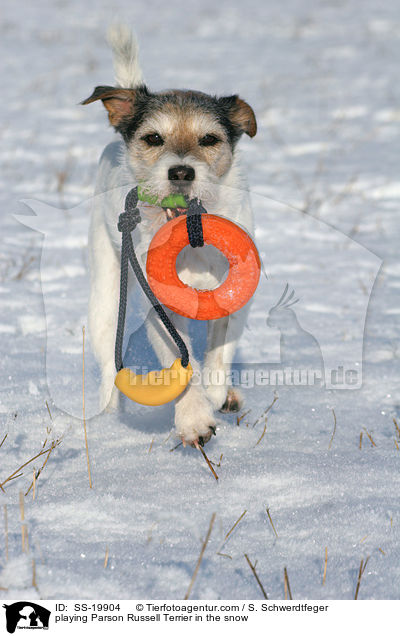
(219, 461)
(334, 430)
(287, 585)
(262, 434)
(325, 566)
(264, 413)
(271, 522)
(14, 475)
(34, 581)
(208, 462)
(203, 549)
(240, 417)
(360, 573)
(36, 474)
(106, 557)
(234, 526)
(369, 437)
(253, 569)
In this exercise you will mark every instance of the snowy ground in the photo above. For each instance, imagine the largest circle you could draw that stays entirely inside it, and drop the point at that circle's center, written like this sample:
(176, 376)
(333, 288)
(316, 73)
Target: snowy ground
(322, 78)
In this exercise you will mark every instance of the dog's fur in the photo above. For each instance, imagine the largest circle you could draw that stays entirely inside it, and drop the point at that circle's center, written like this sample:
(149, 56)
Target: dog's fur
(161, 131)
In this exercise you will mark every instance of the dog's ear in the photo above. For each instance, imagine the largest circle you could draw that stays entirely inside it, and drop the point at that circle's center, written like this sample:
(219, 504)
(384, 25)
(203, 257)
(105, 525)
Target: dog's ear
(119, 102)
(240, 114)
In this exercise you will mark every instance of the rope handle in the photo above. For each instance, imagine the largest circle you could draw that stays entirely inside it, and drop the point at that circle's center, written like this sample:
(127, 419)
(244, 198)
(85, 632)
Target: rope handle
(127, 222)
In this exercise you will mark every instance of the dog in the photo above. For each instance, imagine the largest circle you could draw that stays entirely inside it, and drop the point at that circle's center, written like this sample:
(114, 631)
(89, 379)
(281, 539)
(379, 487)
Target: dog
(173, 141)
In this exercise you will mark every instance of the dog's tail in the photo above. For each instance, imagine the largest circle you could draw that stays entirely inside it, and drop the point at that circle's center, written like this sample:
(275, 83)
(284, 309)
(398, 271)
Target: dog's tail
(125, 56)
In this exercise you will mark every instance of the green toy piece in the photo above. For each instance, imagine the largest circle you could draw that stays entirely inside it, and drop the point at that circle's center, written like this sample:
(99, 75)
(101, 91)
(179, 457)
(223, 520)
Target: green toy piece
(171, 201)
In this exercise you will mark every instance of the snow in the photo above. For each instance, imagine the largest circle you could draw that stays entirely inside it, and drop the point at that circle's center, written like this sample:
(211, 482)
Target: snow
(323, 172)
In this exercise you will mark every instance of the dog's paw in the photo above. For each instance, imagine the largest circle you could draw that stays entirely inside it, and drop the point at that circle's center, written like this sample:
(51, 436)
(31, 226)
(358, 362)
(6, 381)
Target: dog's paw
(233, 402)
(195, 423)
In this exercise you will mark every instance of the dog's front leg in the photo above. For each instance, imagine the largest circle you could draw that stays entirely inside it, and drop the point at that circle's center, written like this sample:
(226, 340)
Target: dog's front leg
(223, 336)
(194, 418)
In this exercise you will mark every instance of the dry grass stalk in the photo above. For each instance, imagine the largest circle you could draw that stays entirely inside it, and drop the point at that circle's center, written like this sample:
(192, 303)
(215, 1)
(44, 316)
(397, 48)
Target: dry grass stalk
(380, 550)
(264, 413)
(6, 530)
(208, 463)
(83, 406)
(36, 474)
(199, 560)
(239, 418)
(24, 532)
(106, 557)
(17, 472)
(288, 593)
(369, 437)
(396, 444)
(325, 566)
(22, 505)
(234, 526)
(2, 442)
(14, 477)
(334, 429)
(360, 573)
(24, 538)
(228, 556)
(48, 409)
(34, 581)
(167, 438)
(151, 445)
(25, 267)
(219, 461)
(253, 569)
(363, 539)
(39, 549)
(171, 450)
(262, 434)
(34, 485)
(271, 522)
(360, 443)
(395, 424)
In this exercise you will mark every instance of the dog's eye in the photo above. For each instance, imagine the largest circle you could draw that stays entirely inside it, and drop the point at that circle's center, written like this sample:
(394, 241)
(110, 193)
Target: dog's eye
(153, 139)
(208, 140)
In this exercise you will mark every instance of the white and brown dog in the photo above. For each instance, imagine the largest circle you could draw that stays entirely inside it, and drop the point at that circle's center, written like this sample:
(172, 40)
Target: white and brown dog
(174, 141)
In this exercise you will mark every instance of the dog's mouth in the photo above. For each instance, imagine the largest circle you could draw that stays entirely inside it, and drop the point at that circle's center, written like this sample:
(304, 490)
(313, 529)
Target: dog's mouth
(172, 213)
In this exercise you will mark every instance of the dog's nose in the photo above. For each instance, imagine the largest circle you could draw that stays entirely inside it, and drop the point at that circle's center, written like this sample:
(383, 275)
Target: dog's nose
(181, 173)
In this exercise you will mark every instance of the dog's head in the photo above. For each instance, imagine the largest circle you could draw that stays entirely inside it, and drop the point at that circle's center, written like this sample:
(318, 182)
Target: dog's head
(178, 141)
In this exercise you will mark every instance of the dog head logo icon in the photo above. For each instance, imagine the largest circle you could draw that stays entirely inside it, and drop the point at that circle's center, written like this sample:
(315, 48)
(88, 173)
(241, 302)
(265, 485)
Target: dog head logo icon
(26, 615)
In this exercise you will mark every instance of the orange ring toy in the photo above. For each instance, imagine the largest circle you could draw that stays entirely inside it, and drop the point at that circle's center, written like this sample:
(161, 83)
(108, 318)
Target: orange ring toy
(202, 304)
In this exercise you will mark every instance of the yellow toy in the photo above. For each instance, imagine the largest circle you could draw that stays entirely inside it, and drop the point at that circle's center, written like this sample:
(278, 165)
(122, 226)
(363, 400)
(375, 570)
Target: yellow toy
(157, 387)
